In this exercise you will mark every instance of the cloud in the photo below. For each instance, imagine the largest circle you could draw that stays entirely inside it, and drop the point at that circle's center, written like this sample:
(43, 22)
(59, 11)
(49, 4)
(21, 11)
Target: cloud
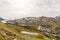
(44, 7)
(22, 8)
(6, 3)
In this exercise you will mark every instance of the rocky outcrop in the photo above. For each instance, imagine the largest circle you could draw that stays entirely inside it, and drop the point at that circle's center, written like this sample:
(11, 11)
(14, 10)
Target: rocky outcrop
(49, 32)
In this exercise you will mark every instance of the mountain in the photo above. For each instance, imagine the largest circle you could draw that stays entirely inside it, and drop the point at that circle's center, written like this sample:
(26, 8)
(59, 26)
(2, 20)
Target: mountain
(57, 17)
(48, 25)
(13, 32)
(1, 19)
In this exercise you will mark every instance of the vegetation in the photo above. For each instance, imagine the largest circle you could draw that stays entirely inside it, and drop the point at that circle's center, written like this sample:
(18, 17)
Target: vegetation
(49, 29)
(11, 32)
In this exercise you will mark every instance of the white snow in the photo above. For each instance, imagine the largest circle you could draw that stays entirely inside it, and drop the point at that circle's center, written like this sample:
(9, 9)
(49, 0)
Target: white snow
(4, 21)
(29, 33)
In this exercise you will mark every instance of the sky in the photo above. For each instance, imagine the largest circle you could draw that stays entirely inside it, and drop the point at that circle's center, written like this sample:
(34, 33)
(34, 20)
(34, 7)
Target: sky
(11, 9)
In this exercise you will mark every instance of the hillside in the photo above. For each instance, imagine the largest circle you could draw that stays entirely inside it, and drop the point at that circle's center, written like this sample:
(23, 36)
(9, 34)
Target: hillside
(13, 32)
(48, 25)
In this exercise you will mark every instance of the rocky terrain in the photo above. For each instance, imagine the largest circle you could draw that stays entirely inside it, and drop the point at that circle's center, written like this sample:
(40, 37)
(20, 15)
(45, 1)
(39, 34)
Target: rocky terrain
(47, 28)
(13, 32)
(48, 25)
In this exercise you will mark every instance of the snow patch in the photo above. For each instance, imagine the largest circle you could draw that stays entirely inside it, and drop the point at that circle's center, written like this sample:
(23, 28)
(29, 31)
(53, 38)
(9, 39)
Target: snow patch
(29, 33)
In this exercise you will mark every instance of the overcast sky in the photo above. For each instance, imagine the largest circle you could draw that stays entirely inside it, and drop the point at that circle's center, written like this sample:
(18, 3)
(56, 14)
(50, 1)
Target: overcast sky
(10, 9)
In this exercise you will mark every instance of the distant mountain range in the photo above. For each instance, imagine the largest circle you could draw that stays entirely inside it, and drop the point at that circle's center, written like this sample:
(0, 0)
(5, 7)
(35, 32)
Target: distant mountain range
(10, 30)
(49, 25)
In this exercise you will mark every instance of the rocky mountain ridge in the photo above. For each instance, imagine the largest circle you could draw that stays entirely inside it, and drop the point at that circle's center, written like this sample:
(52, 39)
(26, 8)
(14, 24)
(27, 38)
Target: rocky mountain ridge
(49, 25)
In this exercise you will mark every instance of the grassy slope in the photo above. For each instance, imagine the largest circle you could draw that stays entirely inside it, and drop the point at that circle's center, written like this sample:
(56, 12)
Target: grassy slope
(1, 37)
(16, 30)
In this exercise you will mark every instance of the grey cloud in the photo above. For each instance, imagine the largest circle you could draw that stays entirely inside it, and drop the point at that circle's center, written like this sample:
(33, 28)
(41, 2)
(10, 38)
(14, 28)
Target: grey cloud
(48, 3)
(4, 4)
